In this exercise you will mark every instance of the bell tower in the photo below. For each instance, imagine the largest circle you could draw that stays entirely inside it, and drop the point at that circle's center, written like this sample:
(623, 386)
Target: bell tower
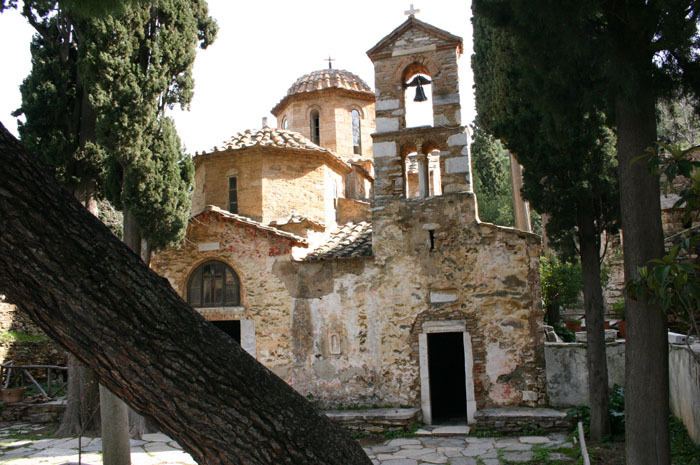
(417, 49)
(422, 172)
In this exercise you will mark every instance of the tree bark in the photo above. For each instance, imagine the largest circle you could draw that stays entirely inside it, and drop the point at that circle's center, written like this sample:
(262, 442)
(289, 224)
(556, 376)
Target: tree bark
(646, 365)
(82, 414)
(596, 358)
(91, 294)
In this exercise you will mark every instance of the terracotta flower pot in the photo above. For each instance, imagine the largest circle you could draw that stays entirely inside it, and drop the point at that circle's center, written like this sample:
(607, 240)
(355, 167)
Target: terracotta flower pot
(621, 329)
(12, 395)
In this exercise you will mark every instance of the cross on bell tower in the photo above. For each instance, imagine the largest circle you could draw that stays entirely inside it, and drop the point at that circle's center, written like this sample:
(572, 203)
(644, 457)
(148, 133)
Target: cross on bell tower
(411, 12)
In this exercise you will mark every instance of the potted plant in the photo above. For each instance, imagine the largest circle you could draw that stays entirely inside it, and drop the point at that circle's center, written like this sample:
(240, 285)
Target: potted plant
(573, 325)
(14, 392)
(618, 309)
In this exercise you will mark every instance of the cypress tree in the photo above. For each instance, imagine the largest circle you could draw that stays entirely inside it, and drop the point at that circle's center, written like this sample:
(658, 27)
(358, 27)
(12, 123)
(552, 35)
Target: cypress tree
(634, 53)
(569, 170)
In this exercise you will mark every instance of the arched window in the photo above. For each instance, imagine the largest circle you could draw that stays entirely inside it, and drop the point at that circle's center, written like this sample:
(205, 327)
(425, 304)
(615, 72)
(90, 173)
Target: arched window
(285, 123)
(418, 99)
(411, 176)
(356, 133)
(214, 284)
(315, 127)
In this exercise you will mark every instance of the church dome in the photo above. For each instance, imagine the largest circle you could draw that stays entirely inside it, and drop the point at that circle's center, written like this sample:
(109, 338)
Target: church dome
(329, 79)
(326, 79)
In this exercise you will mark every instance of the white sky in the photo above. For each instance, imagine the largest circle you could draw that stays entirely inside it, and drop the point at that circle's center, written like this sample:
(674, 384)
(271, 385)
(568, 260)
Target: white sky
(261, 49)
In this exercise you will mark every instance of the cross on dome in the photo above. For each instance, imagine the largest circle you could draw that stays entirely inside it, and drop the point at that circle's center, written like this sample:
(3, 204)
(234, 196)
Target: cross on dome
(412, 11)
(330, 62)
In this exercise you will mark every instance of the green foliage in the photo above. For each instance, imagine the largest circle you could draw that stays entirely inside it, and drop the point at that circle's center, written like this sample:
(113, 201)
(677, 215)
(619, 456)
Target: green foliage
(95, 102)
(561, 282)
(677, 121)
(564, 333)
(618, 309)
(22, 337)
(492, 179)
(683, 450)
(616, 409)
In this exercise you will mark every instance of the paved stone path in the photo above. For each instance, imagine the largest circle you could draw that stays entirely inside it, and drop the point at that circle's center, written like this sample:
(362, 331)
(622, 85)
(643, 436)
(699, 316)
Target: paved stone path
(158, 449)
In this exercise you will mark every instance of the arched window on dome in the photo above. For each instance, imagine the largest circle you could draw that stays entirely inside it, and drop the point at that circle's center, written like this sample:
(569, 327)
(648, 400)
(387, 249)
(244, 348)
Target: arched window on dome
(214, 284)
(356, 132)
(285, 123)
(315, 123)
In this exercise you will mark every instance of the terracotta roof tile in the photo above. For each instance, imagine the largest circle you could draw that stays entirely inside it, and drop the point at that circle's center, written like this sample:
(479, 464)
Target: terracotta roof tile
(274, 138)
(250, 222)
(349, 241)
(327, 79)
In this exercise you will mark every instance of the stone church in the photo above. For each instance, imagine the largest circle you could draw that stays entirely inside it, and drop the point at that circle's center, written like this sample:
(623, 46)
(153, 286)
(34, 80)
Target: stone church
(343, 248)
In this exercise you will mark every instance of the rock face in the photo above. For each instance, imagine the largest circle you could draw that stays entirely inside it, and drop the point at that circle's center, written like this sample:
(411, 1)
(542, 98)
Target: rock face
(375, 314)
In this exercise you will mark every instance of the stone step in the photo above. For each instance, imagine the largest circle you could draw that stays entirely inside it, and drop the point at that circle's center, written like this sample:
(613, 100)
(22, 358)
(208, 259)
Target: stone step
(443, 430)
(522, 420)
(374, 421)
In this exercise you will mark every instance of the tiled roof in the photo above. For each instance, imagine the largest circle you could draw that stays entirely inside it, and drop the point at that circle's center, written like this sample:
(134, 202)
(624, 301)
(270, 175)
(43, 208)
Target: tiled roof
(349, 241)
(270, 137)
(274, 138)
(250, 222)
(295, 218)
(328, 79)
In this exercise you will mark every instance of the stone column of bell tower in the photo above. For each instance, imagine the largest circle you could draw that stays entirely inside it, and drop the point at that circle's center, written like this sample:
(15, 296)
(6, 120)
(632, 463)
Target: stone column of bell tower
(417, 47)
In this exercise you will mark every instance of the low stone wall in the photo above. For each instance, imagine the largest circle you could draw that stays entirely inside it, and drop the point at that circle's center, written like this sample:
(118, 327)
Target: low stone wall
(567, 373)
(684, 377)
(31, 412)
(375, 421)
(521, 420)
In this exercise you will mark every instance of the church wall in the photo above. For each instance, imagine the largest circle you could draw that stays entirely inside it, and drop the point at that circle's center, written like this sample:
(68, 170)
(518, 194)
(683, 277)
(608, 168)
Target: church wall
(336, 123)
(375, 308)
(301, 183)
(346, 332)
(253, 254)
(211, 182)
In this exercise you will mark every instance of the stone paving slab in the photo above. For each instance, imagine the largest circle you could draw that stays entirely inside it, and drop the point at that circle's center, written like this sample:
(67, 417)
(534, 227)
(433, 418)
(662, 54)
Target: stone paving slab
(159, 449)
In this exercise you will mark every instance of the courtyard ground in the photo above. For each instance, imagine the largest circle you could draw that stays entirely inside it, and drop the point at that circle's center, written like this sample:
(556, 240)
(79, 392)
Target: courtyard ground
(24, 444)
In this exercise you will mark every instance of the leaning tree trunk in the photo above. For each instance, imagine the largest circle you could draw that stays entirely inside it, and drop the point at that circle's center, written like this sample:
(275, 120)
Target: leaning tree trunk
(82, 414)
(91, 294)
(596, 358)
(646, 366)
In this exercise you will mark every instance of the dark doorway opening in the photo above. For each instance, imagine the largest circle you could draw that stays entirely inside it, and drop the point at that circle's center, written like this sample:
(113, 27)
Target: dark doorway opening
(448, 395)
(230, 327)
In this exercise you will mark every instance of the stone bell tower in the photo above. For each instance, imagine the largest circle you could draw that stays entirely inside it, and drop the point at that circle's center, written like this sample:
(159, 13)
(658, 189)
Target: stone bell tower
(416, 47)
(427, 167)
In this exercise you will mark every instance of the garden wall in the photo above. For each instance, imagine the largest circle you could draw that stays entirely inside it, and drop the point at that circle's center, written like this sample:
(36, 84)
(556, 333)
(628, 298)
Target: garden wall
(567, 374)
(684, 376)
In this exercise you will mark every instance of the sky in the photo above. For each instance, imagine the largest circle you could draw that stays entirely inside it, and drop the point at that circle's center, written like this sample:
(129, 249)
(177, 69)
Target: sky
(261, 49)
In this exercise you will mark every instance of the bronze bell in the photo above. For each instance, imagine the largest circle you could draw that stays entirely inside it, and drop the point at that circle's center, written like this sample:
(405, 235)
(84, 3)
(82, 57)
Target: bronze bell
(418, 83)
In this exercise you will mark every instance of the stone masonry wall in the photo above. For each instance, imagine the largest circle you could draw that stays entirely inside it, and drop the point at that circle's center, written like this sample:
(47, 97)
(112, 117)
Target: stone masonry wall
(345, 332)
(211, 182)
(22, 342)
(334, 108)
(270, 186)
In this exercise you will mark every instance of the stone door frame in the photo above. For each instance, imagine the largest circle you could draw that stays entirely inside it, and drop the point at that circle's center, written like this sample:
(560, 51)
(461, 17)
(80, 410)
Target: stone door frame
(445, 326)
